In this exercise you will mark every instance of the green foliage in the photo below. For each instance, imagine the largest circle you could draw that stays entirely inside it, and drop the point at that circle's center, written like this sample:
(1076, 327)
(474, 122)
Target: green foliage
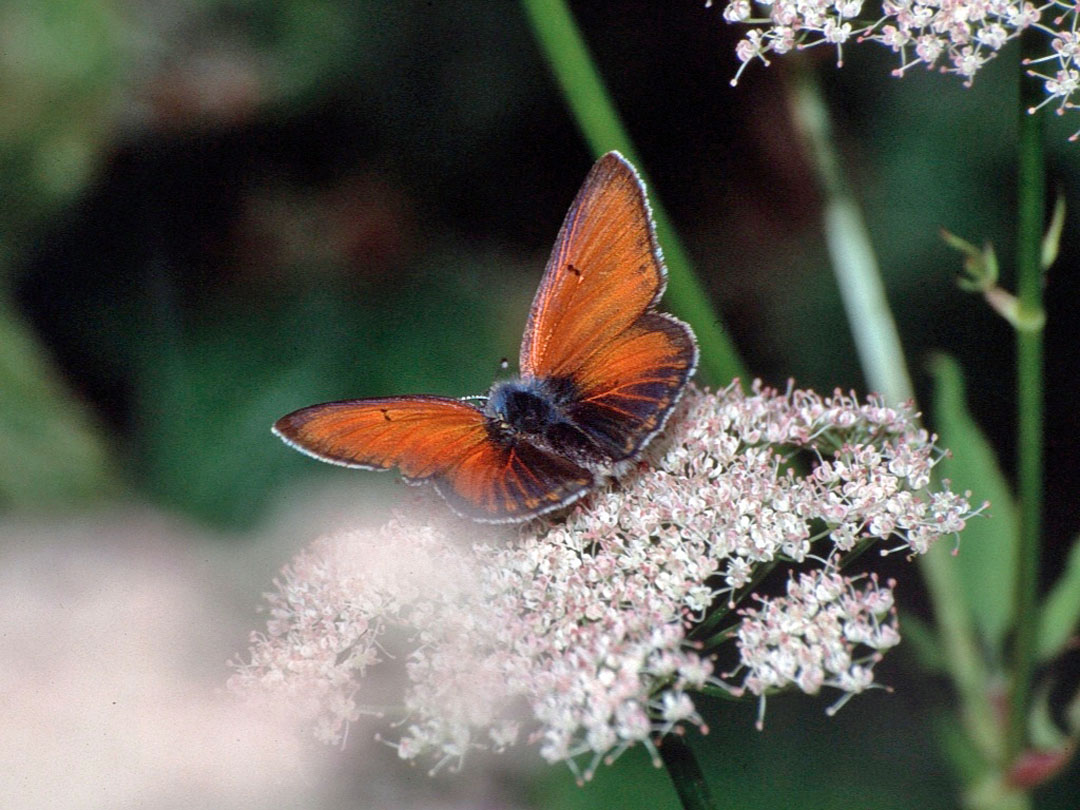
(986, 562)
(58, 72)
(848, 766)
(1059, 617)
(209, 390)
(51, 454)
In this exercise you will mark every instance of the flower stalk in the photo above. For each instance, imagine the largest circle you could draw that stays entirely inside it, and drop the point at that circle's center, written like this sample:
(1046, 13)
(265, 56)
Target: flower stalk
(884, 365)
(685, 773)
(1029, 380)
(882, 359)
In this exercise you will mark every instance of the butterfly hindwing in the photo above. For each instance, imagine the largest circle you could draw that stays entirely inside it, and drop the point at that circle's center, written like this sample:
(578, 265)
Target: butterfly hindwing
(503, 483)
(627, 388)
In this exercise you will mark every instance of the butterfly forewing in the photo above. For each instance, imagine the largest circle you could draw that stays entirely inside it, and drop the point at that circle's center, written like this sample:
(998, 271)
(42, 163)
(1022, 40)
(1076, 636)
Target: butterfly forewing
(420, 434)
(447, 441)
(603, 274)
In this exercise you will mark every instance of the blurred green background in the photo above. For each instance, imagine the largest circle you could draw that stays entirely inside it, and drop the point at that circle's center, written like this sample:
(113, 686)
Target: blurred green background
(214, 212)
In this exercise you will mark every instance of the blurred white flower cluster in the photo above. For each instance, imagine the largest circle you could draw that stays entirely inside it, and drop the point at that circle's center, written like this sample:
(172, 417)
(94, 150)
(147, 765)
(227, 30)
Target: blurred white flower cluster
(590, 633)
(953, 36)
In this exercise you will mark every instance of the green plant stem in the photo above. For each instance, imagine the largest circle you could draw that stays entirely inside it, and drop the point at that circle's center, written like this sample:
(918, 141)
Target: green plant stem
(854, 262)
(1029, 379)
(590, 103)
(685, 773)
(961, 653)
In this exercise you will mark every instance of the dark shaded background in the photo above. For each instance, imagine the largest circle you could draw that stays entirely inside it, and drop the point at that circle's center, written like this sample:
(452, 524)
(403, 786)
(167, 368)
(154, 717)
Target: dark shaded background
(218, 214)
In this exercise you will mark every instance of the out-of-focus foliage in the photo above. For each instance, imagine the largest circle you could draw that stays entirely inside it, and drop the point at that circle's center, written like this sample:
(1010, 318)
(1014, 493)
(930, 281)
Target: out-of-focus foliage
(987, 571)
(51, 452)
(89, 87)
(59, 63)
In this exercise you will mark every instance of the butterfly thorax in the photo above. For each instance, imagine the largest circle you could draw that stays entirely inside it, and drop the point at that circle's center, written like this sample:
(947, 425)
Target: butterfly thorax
(535, 410)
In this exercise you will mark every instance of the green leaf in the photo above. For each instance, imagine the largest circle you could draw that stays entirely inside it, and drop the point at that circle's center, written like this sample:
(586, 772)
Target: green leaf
(1052, 239)
(1042, 730)
(1060, 612)
(986, 561)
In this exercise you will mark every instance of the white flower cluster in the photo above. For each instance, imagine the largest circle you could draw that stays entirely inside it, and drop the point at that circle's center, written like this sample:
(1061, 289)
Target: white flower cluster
(810, 638)
(590, 633)
(953, 36)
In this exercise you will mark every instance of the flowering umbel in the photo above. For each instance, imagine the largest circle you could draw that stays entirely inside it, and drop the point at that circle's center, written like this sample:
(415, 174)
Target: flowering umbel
(592, 633)
(953, 36)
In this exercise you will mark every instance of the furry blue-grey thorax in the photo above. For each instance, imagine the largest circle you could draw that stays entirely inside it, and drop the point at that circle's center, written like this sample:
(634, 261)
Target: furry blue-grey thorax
(539, 410)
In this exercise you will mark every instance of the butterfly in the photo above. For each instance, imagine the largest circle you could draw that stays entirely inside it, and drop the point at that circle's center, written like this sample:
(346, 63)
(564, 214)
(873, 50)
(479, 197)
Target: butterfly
(600, 372)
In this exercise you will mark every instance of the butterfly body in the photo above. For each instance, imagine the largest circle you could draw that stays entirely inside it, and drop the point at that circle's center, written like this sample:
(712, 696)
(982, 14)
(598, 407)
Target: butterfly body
(601, 370)
(535, 411)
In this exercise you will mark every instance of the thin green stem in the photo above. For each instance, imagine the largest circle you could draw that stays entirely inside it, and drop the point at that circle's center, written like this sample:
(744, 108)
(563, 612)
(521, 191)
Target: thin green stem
(1029, 379)
(565, 49)
(961, 653)
(721, 609)
(685, 773)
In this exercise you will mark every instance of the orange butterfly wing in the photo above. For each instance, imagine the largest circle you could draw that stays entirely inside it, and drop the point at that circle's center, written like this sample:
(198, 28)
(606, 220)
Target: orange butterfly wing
(627, 388)
(592, 321)
(480, 473)
(603, 274)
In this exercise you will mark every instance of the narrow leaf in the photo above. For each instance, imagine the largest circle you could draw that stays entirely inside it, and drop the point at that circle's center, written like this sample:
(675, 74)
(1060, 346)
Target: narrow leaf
(1059, 615)
(986, 562)
(1052, 239)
